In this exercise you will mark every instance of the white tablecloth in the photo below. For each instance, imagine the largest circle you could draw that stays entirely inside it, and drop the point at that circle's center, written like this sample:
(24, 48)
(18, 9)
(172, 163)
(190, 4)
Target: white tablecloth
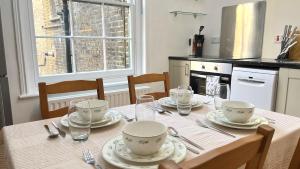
(27, 147)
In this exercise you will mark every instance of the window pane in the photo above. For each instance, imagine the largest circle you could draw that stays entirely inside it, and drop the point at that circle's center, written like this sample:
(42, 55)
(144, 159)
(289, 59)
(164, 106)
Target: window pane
(51, 55)
(87, 19)
(116, 20)
(48, 17)
(89, 54)
(117, 54)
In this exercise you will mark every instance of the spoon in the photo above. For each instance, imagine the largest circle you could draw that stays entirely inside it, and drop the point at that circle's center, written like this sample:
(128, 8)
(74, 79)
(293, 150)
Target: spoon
(173, 132)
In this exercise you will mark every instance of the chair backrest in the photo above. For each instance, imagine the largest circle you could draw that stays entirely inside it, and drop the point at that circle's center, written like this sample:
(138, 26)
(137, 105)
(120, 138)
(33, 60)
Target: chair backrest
(295, 163)
(66, 87)
(251, 150)
(148, 78)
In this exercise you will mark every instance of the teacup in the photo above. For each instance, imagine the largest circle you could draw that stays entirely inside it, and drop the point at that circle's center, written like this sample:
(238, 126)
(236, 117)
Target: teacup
(144, 137)
(238, 111)
(98, 108)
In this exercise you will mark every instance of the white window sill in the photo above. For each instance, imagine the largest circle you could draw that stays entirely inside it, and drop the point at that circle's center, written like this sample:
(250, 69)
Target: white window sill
(108, 87)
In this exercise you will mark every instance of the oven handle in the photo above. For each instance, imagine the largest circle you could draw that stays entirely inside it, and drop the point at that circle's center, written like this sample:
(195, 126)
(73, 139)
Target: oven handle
(250, 80)
(197, 75)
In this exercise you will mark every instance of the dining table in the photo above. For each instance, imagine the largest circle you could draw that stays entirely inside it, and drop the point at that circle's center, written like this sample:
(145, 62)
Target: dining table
(27, 146)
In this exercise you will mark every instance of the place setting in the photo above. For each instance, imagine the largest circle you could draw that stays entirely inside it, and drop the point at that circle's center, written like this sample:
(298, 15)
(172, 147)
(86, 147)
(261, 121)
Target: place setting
(233, 114)
(146, 142)
(183, 95)
(143, 144)
(101, 115)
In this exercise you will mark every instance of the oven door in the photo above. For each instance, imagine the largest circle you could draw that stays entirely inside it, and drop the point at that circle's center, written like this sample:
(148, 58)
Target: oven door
(198, 81)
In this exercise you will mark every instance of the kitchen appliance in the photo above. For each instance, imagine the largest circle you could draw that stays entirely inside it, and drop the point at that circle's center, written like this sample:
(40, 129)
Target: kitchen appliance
(242, 30)
(201, 73)
(257, 86)
(5, 107)
(198, 43)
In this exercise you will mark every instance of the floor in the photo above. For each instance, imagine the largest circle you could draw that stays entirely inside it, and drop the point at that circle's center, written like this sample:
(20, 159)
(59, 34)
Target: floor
(3, 162)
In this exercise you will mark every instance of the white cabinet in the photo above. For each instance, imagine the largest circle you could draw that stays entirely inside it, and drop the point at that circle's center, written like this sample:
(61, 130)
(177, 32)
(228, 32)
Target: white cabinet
(288, 94)
(179, 72)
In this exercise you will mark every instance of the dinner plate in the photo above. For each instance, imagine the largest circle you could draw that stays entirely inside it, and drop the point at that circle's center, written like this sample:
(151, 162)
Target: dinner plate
(167, 103)
(166, 150)
(110, 118)
(109, 155)
(215, 117)
(254, 120)
(173, 103)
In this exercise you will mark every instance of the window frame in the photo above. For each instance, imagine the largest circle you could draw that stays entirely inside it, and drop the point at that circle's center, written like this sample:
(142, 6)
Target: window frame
(25, 37)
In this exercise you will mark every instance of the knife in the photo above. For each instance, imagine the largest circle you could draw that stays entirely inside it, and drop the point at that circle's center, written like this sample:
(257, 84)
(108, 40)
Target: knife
(61, 133)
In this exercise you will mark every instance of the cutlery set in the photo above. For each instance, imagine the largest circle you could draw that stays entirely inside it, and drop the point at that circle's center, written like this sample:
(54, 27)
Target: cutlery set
(204, 125)
(288, 41)
(159, 109)
(54, 132)
(173, 132)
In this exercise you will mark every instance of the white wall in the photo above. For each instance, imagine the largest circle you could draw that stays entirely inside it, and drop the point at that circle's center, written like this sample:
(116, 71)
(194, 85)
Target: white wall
(23, 110)
(166, 35)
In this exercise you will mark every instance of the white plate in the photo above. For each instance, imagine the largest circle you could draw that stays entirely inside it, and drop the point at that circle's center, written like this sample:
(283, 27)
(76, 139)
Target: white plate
(166, 150)
(215, 117)
(172, 102)
(112, 117)
(254, 120)
(109, 155)
(166, 102)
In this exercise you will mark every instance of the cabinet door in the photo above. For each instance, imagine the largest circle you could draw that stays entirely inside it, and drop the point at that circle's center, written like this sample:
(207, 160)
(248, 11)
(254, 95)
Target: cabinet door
(179, 73)
(289, 92)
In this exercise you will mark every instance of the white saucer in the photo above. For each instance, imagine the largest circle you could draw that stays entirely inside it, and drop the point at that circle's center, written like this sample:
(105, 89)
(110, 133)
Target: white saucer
(254, 120)
(110, 118)
(218, 118)
(167, 102)
(109, 155)
(123, 152)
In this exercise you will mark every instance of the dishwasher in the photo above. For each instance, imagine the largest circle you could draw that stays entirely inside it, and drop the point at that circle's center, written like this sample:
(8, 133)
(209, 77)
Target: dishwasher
(257, 86)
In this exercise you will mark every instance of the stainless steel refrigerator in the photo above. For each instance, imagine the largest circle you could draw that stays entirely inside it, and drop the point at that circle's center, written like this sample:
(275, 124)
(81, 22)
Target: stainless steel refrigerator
(5, 106)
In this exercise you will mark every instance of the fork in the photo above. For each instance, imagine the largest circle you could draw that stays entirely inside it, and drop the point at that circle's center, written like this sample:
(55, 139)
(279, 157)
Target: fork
(89, 159)
(214, 128)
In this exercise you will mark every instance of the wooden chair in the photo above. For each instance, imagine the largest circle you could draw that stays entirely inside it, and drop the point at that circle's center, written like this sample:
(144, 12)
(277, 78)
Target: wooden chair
(66, 87)
(295, 163)
(148, 78)
(251, 150)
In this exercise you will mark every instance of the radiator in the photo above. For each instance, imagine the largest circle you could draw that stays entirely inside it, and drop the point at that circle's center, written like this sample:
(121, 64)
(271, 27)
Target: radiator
(115, 98)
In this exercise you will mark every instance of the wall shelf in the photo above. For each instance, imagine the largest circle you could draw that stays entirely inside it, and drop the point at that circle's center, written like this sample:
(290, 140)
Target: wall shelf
(195, 14)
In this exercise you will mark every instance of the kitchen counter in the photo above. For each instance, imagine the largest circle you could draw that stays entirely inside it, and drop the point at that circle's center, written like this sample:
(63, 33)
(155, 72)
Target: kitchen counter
(259, 62)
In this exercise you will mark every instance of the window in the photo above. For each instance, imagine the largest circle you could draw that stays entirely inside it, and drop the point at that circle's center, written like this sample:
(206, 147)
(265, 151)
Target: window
(79, 39)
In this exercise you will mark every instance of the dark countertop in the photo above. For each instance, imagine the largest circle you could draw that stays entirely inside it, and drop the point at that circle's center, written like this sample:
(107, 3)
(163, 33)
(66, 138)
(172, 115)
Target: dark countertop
(259, 62)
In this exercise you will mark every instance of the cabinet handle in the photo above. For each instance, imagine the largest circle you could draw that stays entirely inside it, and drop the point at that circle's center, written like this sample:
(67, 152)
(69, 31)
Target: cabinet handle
(251, 80)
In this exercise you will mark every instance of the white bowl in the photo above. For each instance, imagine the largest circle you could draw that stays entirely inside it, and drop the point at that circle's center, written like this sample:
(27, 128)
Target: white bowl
(238, 111)
(144, 137)
(98, 108)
